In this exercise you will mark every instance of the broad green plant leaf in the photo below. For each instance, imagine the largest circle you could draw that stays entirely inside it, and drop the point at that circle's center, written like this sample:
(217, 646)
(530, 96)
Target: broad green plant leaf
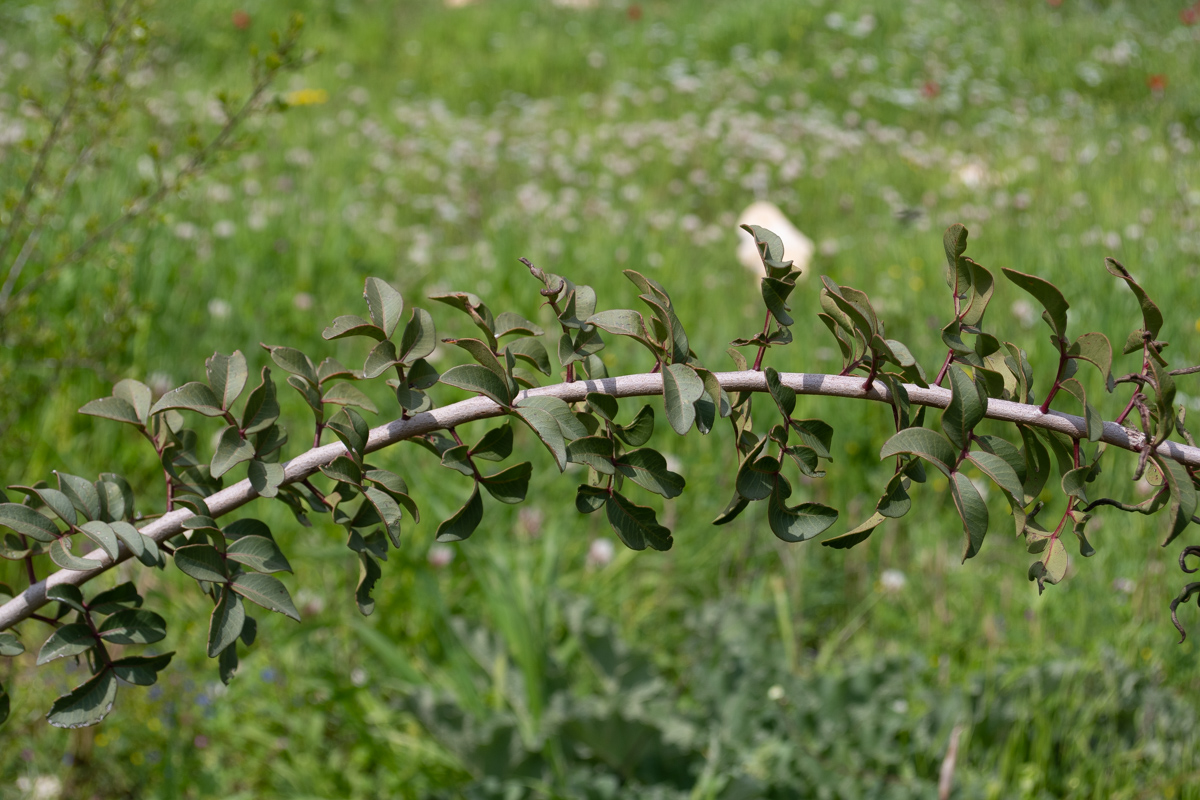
(510, 485)
(1048, 295)
(265, 591)
(972, 510)
(385, 304)
(134, 626)
(648, 469)
(929, 445)
(86, 704)
(636, 525)
(227, 376)
(69, 640)
(682, 387)
(463, 523)
(226, 623)
(193, 396)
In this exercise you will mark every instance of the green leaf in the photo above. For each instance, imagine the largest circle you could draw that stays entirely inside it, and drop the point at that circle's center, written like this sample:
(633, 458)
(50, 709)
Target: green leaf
(797, 523)
(137, 394)
(60, 553)
(102, 534)
(115, 408)
(1074, 483)
(1152, 318)
(815, 434)
(547, 429)
(531, 351)
(636, 525)
(638, 432)
(509, 322)
(385, 303)
(117, 495)
(350, 325)
(589, 499)
(330, 368)
(10, 645)
(510, 485)
(464, 521)
(1183, 496)
(295, 362)
(82, 493)
(369, 574)
(968, 406)
(495, 445)
(343, 469)
(770, 247)
(265, 591)
(1000, 471)
(202, 562)
(681, 388)
(1092, 418)
(114, 599)
(68, 640)
(389, 512)
(929, 445)
(859, 534)
(1037, 463)
(593, 451)
(352, 430)
(475, 378)
(784, 396)
(259, 554)
(67, 594)
(227, 376)
(972, 510)
(1053, 565)
(648, 469)
(622, 322)
(134, 626)
(231, 450)
(1094, 347)
(895, 502)
(473, 307)
(457, 458)
(774, 294)
(265, 478)
(420, 337)
(1048, 295)
(226, 623)
(578, 347)
(262, 409)
(193, 396)
(86, 704)
(567, 422)
(141, 670)
(56, 501)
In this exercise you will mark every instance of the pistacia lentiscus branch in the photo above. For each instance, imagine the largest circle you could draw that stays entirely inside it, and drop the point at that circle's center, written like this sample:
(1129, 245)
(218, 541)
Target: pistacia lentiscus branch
(578, 421)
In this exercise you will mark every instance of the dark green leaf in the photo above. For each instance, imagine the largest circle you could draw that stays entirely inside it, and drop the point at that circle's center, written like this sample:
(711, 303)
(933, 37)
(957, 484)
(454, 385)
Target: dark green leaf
(10, 645)
(578, 347)
(457, 458)
(262, 409)
(1183, 495)
(1000, 471)
(774, 294)
(420, 337)
(115, 599)
(1152, 318)
(547, 429)
(115, 408)
(265, 478)
(929, 445)
(68, 640)
(681, 388)
(464, 521)
(231, 450)
(60, 553)
(385, 303)
(475, 378)
(797, 523)
(368, 575)
(137, 394)
(1037, 463)
(352, 430)
(227, 376)
(972, 510)
(265, 591)
(67, 594)
(351, 325)
(510, 485)
(968, 406)
(532, 351)
(293, 361)
(141, 670)
(56, 501)
(343, 469)
(388, 510)
(815, 434)
(638, 432)
(648, 469)
(1048, 295)
(784, 396)
(495, 445)
(86, 704)
(330, 368)
(473, 307)
(102, 534)
(1094, 347)
(202, 562)
(226, 623)
(193, 396)
(590, 498)
(620, 321)
(593, 451)
(382, 357)
(636, 525)
(509, 322)
(134, 626)
(82, 493)
(859, 534)
(259, 554)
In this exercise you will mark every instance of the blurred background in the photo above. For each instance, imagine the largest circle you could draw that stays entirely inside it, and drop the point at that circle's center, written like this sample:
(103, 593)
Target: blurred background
(433, 144)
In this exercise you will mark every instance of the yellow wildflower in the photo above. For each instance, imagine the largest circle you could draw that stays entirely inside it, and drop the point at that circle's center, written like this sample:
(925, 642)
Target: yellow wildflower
(307, 97)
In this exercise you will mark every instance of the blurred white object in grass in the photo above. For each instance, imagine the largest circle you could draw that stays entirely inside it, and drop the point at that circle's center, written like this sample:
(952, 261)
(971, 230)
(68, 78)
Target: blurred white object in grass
(600, 553)
(440, 555)
(892, 580)
(796, 246)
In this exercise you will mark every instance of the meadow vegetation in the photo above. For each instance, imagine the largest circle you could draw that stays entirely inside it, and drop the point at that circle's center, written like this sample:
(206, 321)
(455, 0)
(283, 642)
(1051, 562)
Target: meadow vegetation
(434, 147)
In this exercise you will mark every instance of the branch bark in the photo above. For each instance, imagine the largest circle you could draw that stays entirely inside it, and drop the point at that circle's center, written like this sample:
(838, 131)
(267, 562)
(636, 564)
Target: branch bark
(300, 468)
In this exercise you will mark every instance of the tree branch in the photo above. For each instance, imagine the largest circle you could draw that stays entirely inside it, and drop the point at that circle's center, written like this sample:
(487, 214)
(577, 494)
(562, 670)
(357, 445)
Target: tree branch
(477, 408)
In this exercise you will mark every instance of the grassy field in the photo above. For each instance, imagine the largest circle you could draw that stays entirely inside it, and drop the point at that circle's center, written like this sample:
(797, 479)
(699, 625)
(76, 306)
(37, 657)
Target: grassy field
(445, 143)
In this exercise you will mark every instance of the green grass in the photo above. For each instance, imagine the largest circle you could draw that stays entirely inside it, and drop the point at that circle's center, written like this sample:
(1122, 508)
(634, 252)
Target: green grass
(455, 141)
